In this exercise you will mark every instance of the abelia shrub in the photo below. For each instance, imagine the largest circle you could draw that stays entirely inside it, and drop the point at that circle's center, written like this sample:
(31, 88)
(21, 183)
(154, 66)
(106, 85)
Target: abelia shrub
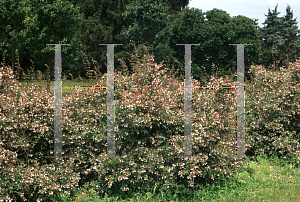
(272, 112)
(149, 133)
(26, 131)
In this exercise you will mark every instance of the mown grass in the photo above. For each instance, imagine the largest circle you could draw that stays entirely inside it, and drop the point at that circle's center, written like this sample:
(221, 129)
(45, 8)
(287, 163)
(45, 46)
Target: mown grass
(260, 179)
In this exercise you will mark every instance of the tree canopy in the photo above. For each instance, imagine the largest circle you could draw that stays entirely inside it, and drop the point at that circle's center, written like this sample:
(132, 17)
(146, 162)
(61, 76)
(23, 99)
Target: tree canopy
(279, 38)
(158, 24)
(213, 35)
(43, 22)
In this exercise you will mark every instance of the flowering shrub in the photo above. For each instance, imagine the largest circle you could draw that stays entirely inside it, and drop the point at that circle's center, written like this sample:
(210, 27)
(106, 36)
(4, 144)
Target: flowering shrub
(149, 135)
(25, 135)
(273, 112)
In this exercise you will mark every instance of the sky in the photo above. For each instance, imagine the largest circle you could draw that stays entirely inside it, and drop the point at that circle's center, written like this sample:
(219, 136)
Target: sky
(252, 9)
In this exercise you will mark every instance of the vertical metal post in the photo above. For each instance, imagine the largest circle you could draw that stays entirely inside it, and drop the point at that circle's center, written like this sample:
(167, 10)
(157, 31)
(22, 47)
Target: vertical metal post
(57, 103)
(240, 101)
(188, 101)
(111, 153)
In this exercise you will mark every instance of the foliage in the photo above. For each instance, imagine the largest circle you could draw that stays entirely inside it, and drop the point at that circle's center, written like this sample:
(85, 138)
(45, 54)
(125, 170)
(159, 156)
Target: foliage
(289, 34)
(144, 20)
(147, 136)
(273, 112)
(213, 35)
(102, 24)
(22, 140)
(280, 38)
(49, 23)
(11, 29)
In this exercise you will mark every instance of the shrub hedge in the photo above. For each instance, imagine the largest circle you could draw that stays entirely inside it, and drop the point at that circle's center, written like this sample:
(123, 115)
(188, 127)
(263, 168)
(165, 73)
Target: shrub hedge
(149, 132)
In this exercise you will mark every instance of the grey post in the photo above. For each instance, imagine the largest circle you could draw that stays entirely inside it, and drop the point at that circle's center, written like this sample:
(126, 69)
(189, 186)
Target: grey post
(110, 101)
(57, 103)
(240, 101)
(188, 101)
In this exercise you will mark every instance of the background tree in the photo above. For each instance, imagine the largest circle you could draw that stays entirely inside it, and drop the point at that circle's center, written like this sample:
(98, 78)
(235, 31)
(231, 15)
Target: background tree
(10, 31)
(175, 7)
(158, 24)
(289, 33)
(144, 21)
(102, 23)
(48, 23)
(214, 35)
(271, 38)
(245, 30)
(122, 20)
